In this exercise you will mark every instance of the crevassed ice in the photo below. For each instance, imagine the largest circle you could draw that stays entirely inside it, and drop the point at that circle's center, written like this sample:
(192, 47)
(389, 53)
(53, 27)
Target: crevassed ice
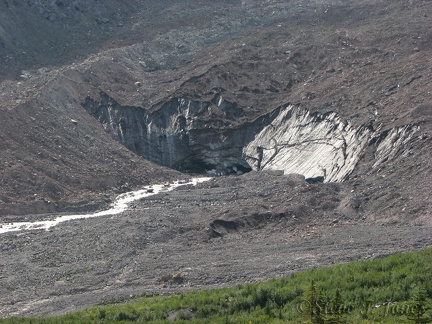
(309, 144)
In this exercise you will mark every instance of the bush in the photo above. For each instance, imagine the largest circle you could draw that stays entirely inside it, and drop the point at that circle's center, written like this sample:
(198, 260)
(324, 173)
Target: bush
(385, 290)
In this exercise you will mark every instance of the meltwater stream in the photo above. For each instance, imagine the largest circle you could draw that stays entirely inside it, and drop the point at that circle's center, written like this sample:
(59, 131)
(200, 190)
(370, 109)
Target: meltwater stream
(120, 205)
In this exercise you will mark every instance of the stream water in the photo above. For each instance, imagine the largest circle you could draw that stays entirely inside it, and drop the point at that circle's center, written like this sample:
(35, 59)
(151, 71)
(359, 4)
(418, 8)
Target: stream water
(120, 205)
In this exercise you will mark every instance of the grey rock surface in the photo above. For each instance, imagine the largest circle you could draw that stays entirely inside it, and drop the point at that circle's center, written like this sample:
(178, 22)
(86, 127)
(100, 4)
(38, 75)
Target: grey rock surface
(227, 231)
(115, 94)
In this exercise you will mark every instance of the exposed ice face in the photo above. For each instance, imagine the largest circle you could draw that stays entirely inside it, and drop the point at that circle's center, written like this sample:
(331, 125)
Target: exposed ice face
(316, 145)
(310, 144)
(395, 142)
(120, 205)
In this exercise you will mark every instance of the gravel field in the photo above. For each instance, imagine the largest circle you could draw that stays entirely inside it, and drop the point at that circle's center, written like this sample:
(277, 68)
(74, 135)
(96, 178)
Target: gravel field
(205, 235)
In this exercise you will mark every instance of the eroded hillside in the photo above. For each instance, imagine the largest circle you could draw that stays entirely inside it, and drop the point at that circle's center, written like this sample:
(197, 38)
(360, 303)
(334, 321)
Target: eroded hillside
(201, 96)
(315, 119)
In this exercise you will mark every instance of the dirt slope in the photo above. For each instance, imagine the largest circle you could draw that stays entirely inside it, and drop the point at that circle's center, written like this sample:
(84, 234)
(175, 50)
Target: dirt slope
(367, 61)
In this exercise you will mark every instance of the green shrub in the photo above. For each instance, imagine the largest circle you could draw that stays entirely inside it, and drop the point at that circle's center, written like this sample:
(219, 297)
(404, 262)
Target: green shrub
(382, 291)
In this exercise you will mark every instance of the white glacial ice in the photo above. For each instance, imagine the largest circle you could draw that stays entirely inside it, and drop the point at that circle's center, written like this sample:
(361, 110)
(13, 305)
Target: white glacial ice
(316, 145)
(310, 144)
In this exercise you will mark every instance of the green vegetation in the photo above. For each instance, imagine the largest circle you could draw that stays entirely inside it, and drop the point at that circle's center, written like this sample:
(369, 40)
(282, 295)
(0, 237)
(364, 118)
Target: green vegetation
(396, 289)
